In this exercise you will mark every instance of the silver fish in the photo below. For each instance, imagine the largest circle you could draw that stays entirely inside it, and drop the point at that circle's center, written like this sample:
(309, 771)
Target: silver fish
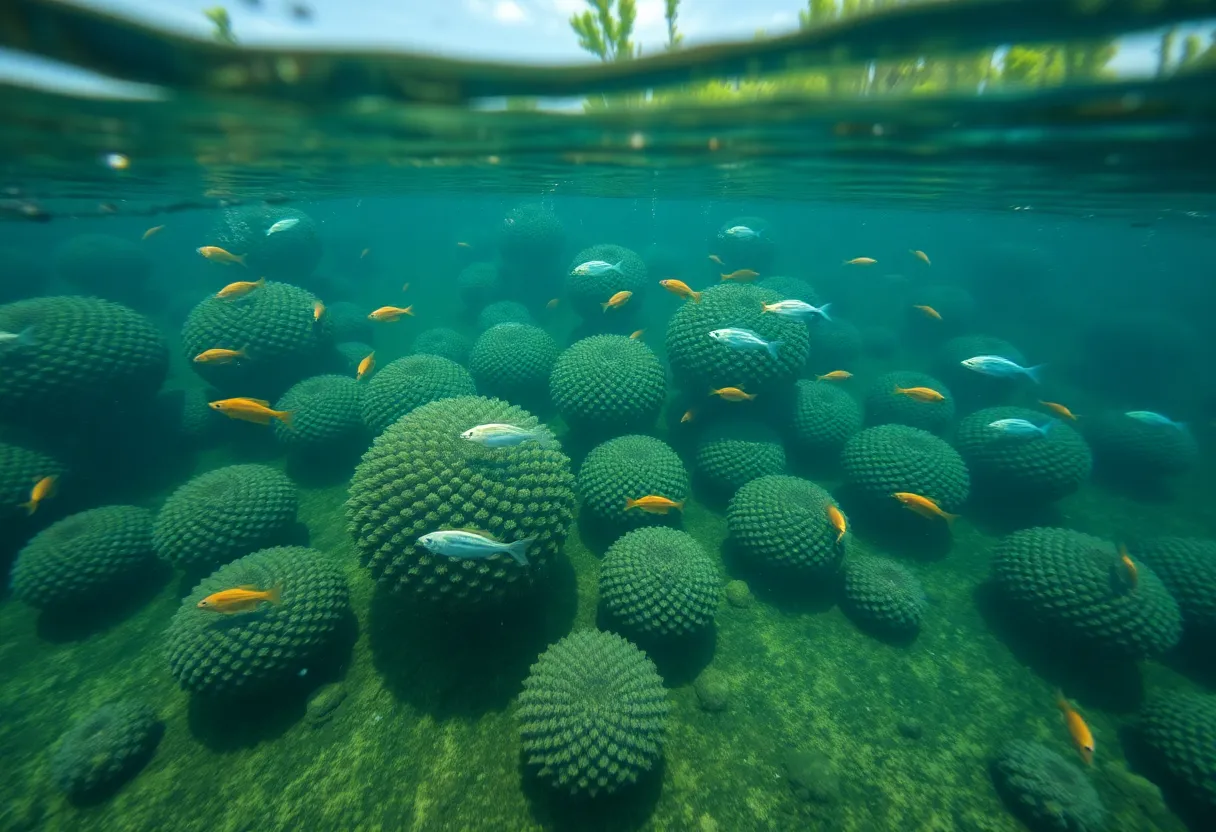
(745, 339)
(1000, 367)
(497, 435)
(595, 268)
(24, 338)
(1022, 427)
(739, 232)
(282, 225)
(1151, 418)
(466, 545)
(798, 310)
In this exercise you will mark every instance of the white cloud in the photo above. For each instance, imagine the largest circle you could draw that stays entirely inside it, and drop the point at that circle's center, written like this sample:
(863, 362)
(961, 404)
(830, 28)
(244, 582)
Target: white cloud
(568, 7)
(508, 11)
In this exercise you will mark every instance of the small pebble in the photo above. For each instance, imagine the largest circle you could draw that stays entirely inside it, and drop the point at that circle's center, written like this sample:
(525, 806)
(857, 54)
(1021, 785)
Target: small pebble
(738, 594)
(713, 690)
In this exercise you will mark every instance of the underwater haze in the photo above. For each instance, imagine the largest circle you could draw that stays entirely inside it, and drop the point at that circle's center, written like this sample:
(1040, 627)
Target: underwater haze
(810, 432)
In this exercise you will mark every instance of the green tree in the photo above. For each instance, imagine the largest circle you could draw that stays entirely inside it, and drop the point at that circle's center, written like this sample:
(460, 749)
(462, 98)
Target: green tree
(1165, 50)
(672, 11)
(604, 34)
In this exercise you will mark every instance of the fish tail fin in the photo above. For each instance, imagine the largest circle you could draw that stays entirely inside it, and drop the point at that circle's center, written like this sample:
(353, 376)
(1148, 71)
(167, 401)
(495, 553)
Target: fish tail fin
(617, 267)
(519, 550)
(605, 305)
(751, 397)
(26, 337)
(680, 505)
(725, 276)
(1034, 371)
(274, 594)
(30, 506)
(630, 503)
(1061, 702)
(240, 258)
(285, 416)
(696, 297)
(950, 518)
(824, 311)
(773, 346)
(764, 310)
(409, 310)
(1048, 425)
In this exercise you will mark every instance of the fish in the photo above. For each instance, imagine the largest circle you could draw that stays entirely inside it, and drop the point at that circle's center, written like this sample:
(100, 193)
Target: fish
(594, 268)
(929, 311)
(740, 232)
(24, 338)
(688, 416)
(366, 365)
(1059, 409)
(318, 309)
(1082, 738)
(798, 310)
(732, 394)
(474, 545)
(552, 304)
(282, 225)
(617, 301)
(218, 255)
(715, 258)
(218, 355)
(838, 522)
(1022, 427)
(1001, 367)
(920, 394)
(835, 375)
(42, 489)
(742, 275)
(152, 232)
(1133, 574)
(364, 253)
(463, 244)
(240, 288)
(498, 435)
(745, 339)
(1148, 417)
(920, 255)
(636, 334)
(257, 411)
(860, 261)
(680, 288)
(390, 313)
(239, 599)
(924, 506)
(654, 504)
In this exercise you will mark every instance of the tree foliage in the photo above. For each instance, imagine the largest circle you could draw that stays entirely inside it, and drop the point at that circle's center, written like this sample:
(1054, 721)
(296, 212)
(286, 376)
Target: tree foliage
(605, 34)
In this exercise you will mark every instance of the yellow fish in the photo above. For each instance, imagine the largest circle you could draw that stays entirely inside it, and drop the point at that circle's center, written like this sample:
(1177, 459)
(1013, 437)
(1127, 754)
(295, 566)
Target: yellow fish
(617, 301)
(318, 309)
(688, 416)
(552, 304)
(218, 356)
(860, 261)
(838, 522)
(1082, 737)
(42, 489)
(257, 411)
(920, 255)
(920, 394)
(654, 504)
(240, 288)
(1059, 410)
(716, 259)
(218, 255)
(1133, 574)
(152, 232)
(679, 287)
(929, 311)
(742, 275)
(835, 375)
(732, 394)
(924, 506)
(239, 599)
(366, 366)
(390, 313)
(636, 335)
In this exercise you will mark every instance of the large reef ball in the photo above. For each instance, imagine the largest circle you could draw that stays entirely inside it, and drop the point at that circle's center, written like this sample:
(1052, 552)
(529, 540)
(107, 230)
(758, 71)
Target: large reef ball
(326, 413)
(587, 291)
(628, 468)
(21, 468)
(833, 345)
(106, 266)
(290, 254)
(1046, 791)
(592, 714)
(781, 522)
(1179, 730)
(1033, 469)
(402, 385)
(1128, 448)
(503, 312)
(105, 749)
(478, 284)
(1076, 587)
(420, 476)
(732, 454)
(823, 416)
(348, 322)
(608, 384)
(1187, 567)
(25, 276)
(83, 556)
(274, 325)
(513, 362)
(230, 654)
(885, 406)
(700, 363)
(531, 242)
(757, 252)
(223, 514)
(976, 389)
(883, 597)
(880, 461)
(444, 342)
(86, 354)
(659, 583)
(791, 288)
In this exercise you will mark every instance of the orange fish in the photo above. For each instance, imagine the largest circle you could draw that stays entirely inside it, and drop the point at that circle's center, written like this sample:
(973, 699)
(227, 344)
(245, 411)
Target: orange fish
(924, 506)
(366, 365)
(240, 288)
(617, 301)
(463, 245)
(1133, 574)
(742, 275)
(860, 261)
(241, 599)
(920, 394)
(318, 309)
(920, 255)
(217, 255)
(688, 416)
(732, 394)
(929, 311)
(152, 232)
(838, 522)
(654, 504)
(679, 287)
(716, 259)
(42, 489)
(552, 304)
(257, 411)
(390, 313)
(405, 287)
(1081, 736)
(218, 356)
(636, 335)
(1059, 410)
(835, 375)
(364, 253)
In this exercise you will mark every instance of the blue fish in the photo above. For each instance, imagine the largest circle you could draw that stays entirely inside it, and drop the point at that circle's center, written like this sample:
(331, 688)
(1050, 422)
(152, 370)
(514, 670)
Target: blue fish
(471, 545)
(745, 339)
(739, 232)
(1151, 418)
(1000, 367)
(595, 268)
(1022, 427)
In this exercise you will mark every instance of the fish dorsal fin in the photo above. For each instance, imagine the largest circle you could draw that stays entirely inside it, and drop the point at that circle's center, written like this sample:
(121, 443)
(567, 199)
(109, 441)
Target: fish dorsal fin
(249, 587)
(478, 532)
(262, 402)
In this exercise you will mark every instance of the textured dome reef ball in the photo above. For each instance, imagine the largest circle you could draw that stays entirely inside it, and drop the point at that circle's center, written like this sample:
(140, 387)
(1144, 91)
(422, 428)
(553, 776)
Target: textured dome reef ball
(732, 454)
(700, 363)
(292, 253)
(402, 385)
(883, 595)
(348, 322)
(531, 233)
(757, 252)
(20, 469)
(882, 460)
(84, 353)
(824, 416)
(350, 355)
(106, 748)
(104, 265)
(223, 514)
(592, 714)
(782, 522)
(628, 468)
(82, 556)
(478, 284)
(885, 405)
(420, 476)
(326, 411)
(1130, 447)
(659, 582)
(1077, 588)
(513, 362)
(1033, 468)
(503, 312)
(225, 654)
(1187, 567)
(1180, 730)
(444, 342)
(608, 384)
(587, 291)
(833, 345)
(1046, 791)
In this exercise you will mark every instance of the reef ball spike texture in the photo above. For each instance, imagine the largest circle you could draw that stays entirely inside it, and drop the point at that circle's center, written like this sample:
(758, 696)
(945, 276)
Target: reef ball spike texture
(700, 363)
(87, 354)
(587, 291)
(883, 596)
(104, 265)
(1187, 567)
(782, 522)
(1031, 469)
(1044, 790)
(531, 236)
(503, 312)
(884, 406)
(592, 714)
(230, 654)
(608, 384)
(274, 325)
(972, 388)
(21, 468)
(627, 468)
(402, 385)
(832, 345)
(83, 556)
(420, 476)
(348, 322)
(659, 582)
(732, 454)
(105, 749)
(292, 253)
(444, 342)
(882, 460)
(1075, 586)
(327, 411)
(223, 514)
(791, 288)
(478, 284)
(1127, 447)
(513, 362)
(1179, 729)
(349, 356)
(823, 416)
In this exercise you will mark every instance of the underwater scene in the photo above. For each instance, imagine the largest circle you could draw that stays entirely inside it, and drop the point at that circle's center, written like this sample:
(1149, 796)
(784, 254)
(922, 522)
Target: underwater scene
(810, 432)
